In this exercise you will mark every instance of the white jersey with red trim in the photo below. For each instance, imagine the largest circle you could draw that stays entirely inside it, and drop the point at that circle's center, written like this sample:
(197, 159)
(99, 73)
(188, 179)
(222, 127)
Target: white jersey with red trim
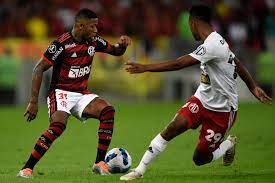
(218, 87)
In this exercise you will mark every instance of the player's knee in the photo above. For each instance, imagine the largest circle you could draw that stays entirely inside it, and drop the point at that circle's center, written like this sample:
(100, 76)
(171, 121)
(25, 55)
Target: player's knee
(59, 117)
(201, 158)
(197, 161)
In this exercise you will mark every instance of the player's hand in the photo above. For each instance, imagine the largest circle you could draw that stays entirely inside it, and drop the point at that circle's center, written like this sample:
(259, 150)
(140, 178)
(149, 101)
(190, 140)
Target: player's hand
(31, 111)
(134, 68)
(261, 95)
(124, 41)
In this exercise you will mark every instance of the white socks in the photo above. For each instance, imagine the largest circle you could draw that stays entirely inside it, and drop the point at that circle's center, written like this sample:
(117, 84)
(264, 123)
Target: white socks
(224, 146)
(158, 144)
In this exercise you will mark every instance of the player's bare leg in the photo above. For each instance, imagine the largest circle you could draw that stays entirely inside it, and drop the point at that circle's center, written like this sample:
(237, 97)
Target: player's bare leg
(104, 112)
(226, 149)
(176, 127)
(56, 128)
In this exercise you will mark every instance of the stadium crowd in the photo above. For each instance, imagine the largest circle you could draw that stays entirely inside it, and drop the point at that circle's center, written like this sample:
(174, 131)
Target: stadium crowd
(248, 26)
(242, 21)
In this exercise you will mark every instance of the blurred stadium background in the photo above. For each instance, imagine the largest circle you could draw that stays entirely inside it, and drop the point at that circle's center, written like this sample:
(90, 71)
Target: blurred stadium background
(159, 29)
(144, 103)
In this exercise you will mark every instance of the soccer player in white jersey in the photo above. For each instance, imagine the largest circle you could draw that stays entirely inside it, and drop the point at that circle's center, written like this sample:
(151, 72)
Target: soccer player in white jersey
(214, 105)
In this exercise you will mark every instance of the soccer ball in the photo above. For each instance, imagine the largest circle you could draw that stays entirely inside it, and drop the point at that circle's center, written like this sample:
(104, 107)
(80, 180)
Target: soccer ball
(118, 160)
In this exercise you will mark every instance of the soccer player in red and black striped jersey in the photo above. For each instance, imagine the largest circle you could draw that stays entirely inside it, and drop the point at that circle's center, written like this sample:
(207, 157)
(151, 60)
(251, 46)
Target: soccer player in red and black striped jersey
(71, 57)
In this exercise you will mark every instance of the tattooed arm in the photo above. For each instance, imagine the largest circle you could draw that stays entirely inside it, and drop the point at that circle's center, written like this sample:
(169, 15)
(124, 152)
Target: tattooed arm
(37, 76)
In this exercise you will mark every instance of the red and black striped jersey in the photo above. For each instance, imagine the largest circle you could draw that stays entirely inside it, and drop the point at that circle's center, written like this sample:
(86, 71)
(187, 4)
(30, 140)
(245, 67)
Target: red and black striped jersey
(72, 61)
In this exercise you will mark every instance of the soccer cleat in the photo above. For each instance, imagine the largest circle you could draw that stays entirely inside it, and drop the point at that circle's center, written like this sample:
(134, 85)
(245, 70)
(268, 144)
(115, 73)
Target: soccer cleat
(101, 168)
(25, 173)
(131, 176)
(229, 155)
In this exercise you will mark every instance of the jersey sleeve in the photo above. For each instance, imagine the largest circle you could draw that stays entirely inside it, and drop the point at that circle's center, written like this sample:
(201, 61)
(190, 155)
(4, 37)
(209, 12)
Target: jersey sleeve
(102, 45)
(204, 53)
(53, 53)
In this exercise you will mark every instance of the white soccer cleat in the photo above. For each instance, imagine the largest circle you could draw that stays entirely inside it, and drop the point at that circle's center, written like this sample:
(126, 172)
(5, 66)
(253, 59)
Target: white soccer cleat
(229, 155)
(131, 176)
(25, 173)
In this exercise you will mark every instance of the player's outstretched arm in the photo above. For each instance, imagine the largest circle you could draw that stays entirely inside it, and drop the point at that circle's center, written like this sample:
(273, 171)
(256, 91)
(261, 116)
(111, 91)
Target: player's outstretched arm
(37, 76)
(172, 65)
(251, 84)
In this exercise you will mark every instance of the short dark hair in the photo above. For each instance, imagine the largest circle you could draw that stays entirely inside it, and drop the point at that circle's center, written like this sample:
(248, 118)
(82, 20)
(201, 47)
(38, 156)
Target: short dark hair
(85, 13)
(201, 12)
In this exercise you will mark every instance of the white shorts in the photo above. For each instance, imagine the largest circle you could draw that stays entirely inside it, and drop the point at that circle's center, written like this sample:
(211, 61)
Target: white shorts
(72, 103)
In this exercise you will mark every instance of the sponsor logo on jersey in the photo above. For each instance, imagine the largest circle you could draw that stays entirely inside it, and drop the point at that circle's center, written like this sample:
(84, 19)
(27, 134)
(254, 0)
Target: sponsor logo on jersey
(205, 79)
(201, 50)
(52, 48)
(71, 45)
(74, 55)
(57, 53)
(100, 40)
(91, 50)
(77, 71)
(194, 108)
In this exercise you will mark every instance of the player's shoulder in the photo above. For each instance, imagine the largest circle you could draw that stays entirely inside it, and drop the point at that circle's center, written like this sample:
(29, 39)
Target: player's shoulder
(64, 37)
(215, 43)
(213, 39)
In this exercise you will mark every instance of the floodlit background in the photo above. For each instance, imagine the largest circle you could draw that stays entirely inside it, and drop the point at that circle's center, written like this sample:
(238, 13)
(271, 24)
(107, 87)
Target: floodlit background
(144, 103)
(159, 29)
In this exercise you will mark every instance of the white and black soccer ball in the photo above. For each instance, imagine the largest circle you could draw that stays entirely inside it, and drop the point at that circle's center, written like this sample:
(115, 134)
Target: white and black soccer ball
(118, 160)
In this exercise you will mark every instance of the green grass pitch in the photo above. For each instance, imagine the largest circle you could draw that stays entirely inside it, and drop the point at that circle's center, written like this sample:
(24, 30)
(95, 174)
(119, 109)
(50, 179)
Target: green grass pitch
(71, 156)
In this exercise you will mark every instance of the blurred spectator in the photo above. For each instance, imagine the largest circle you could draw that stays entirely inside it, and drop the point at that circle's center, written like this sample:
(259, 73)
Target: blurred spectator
(37, 28)
(238, 34)
(183, 26)
(270, 29)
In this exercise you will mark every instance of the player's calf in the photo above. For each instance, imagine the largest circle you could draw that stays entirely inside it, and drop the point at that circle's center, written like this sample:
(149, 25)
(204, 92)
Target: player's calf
(105, 132)
(44, 142)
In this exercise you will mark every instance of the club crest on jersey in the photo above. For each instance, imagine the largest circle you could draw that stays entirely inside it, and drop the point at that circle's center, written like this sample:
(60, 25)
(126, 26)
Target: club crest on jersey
(52, 48)
(201, 50)
(77, 71)
(194, 108)
(91, 50)
(64, 104)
